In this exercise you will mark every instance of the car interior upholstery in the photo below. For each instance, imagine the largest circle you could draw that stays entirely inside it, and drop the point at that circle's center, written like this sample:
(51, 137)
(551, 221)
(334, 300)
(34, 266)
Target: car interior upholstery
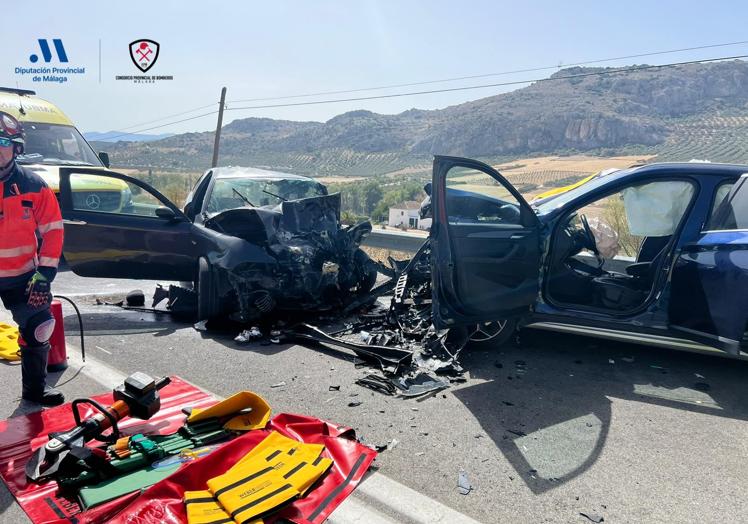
(578, 278)
(647, 215)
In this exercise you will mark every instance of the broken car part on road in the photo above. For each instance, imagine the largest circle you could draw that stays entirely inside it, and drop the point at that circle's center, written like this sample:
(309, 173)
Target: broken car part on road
(401, 339)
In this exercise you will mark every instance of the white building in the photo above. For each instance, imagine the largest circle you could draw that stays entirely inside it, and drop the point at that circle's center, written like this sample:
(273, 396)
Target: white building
(405, 215)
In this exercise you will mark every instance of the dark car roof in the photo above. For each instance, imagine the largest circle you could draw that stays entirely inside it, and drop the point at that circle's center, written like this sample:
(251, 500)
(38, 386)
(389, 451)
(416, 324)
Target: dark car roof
(695, 168)
(662, 169)
(253, 172)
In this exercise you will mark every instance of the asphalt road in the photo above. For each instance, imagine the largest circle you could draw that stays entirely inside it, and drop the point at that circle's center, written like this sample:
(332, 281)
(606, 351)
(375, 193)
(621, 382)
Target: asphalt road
(553, 427)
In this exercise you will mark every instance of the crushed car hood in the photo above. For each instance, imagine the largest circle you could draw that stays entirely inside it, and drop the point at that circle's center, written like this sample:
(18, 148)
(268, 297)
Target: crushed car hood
(320, 215)
(317, 262)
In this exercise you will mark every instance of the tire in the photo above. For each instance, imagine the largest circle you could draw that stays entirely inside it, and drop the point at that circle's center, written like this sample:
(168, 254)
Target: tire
(492, 334)
(207, 299)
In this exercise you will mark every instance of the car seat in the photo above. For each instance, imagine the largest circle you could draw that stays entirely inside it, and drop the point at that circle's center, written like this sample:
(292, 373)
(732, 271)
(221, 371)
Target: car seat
(650, 254)
(623, 292)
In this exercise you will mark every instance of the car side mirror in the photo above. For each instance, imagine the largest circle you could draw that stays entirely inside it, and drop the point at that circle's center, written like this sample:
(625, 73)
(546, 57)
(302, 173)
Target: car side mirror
(166, 213)
(427, 188)
(104, 157)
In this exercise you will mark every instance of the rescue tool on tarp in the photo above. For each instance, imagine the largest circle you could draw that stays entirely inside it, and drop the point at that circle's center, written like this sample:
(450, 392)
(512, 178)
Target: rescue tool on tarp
(138, 397)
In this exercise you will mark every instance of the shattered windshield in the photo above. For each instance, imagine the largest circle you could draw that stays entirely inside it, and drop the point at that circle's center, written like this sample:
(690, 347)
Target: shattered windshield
(56, 144)
(231, 193)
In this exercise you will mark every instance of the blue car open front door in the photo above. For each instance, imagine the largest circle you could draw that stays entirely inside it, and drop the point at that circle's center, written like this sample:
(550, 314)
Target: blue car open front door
(485, 258)
(709, 287)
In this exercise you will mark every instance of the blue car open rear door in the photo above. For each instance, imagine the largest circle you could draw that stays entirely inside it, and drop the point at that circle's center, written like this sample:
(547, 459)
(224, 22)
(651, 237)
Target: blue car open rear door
(485, 245)
(709, 286)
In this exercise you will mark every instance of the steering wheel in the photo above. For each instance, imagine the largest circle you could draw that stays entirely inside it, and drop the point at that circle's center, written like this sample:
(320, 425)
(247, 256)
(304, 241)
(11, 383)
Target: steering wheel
(591, 242)
(510, 213)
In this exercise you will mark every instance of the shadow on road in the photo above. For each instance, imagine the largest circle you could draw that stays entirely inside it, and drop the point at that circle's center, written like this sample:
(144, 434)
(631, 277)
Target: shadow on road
(547, 404)
(106, 320)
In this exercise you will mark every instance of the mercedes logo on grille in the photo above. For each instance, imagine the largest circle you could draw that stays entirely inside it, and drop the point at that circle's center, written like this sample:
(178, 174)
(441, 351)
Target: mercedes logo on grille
(93, 201)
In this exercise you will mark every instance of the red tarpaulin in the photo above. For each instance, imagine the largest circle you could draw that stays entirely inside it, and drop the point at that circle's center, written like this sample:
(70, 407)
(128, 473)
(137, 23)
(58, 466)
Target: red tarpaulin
(162, 502)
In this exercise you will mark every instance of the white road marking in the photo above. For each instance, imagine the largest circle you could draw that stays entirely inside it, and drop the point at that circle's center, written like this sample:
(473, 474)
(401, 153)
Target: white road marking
(376, 500)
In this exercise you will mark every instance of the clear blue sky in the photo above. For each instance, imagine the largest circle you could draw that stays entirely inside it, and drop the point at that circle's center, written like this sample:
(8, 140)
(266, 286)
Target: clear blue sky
(283, 48)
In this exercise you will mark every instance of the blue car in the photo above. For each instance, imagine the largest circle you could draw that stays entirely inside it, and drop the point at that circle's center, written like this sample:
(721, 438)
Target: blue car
(655, 254)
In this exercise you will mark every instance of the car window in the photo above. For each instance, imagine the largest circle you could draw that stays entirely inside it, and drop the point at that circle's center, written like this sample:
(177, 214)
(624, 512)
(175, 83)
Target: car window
(105, 194)
(232, 193)
(56, 144)
(720, 194)
(474, 197)
(732, 212)
(620, 222)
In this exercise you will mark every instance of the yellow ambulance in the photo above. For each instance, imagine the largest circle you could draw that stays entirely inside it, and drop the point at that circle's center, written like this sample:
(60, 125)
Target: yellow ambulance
(52, 142)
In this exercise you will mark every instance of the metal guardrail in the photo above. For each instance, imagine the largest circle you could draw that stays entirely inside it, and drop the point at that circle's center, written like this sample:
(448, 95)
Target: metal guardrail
(395, 240)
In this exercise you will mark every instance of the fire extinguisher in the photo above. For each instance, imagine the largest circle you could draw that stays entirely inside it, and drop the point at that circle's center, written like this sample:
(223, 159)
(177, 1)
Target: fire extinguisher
(58, 357)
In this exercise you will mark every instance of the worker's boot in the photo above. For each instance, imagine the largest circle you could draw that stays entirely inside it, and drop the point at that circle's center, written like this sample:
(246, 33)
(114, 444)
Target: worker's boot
(34, 377)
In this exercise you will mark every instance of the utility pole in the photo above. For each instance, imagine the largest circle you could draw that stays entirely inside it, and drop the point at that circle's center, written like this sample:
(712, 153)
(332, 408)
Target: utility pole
(218, 128)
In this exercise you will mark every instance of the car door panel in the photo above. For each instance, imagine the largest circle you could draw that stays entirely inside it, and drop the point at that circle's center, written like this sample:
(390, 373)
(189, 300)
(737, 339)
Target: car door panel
(709, 284)
(117, 242)
(480, 270)
(709, 296)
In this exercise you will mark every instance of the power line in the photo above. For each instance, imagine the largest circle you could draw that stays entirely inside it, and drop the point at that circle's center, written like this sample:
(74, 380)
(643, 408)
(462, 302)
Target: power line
(162, 118)
(426, 82)
(503, 73)
(164, 125)
(484, 86)
(452, 89)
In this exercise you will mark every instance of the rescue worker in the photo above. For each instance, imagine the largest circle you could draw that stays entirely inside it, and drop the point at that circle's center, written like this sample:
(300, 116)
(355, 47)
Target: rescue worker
(31, 234)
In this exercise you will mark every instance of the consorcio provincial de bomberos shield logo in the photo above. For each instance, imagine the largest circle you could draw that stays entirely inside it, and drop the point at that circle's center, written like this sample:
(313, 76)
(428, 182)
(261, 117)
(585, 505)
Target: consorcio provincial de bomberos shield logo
(144, 53)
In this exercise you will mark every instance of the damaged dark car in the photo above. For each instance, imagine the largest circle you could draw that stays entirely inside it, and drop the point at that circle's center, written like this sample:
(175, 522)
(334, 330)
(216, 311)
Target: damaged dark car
(653, 254)
(252, 241)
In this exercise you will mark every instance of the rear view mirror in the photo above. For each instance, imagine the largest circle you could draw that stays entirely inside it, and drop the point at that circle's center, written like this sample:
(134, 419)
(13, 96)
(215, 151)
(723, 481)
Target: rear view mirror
(104, 157)
(165, 213)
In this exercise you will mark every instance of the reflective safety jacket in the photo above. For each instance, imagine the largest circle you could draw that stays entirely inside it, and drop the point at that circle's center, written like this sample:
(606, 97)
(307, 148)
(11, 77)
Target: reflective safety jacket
(31, 230)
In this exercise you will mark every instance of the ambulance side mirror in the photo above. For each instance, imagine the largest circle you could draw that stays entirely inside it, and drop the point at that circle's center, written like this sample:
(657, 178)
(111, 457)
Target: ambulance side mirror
(104, 157)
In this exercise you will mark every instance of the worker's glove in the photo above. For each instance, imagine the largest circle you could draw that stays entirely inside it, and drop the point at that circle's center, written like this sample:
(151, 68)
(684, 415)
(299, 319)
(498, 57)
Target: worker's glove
(38, 291)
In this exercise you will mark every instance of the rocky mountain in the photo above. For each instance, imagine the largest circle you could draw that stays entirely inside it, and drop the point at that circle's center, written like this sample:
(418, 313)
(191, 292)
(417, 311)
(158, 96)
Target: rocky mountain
(658, 110)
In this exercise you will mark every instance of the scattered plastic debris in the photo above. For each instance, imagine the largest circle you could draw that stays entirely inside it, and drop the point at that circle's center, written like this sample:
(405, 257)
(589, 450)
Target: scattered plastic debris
(333, 388)
(201, 326)
(248, 335)
(401, 338)
(597, 519)
(354, 403)
(278, 385)
(463, 483)
(377, 383)
(628, 359)
(418, 385)
(390, 445)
